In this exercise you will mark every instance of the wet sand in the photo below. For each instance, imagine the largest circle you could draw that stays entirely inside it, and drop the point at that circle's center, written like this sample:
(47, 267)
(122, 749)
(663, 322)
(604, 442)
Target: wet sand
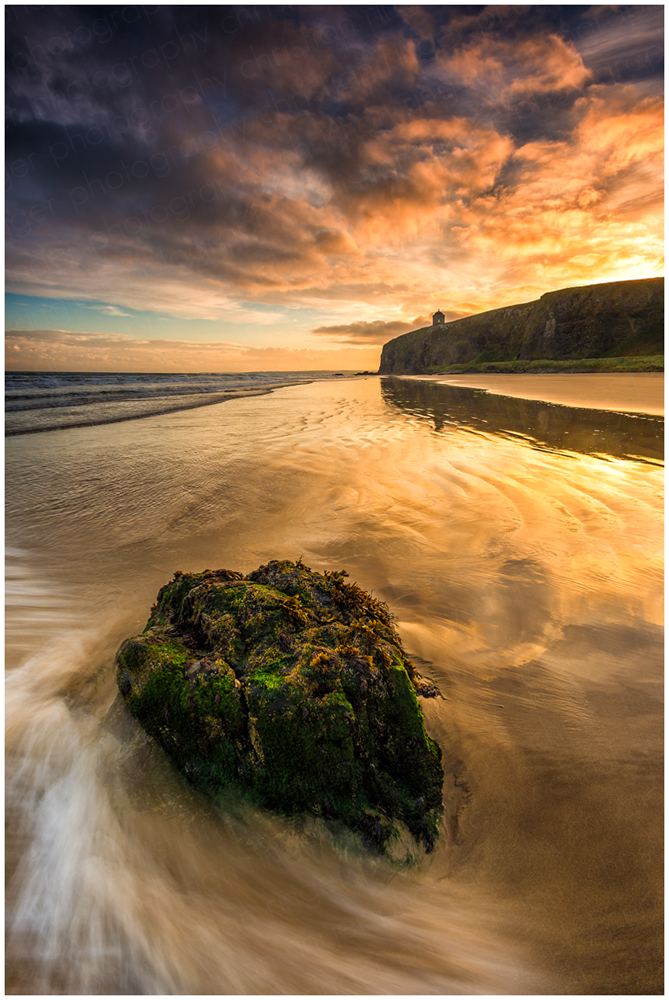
(636, 393)
(526, 579)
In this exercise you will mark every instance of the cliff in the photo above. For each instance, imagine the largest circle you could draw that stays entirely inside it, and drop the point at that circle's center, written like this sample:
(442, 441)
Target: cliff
(612, 319)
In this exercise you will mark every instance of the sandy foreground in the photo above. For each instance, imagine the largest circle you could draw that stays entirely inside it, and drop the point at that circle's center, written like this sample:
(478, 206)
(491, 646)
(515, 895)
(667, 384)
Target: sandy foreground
(527, 581)
(636, 393)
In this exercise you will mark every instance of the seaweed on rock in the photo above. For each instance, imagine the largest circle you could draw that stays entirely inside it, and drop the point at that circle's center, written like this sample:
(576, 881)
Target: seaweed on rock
(294, 686)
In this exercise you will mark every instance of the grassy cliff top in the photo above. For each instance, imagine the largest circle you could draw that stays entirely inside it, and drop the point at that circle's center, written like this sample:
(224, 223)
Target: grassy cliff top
(629, 365)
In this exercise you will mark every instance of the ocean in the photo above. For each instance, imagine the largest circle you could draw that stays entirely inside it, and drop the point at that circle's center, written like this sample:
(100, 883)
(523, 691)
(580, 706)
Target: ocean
(42, 401)
(518, 545)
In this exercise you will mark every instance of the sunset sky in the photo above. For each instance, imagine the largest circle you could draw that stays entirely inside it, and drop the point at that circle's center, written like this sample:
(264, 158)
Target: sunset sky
(276, 187)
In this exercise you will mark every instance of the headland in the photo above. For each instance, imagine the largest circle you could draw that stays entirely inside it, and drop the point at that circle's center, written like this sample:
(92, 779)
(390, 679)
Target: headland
(612, 327)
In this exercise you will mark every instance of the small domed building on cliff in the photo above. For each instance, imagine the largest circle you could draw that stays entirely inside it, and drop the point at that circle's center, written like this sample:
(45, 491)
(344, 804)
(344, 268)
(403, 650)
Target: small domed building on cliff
(438, 318)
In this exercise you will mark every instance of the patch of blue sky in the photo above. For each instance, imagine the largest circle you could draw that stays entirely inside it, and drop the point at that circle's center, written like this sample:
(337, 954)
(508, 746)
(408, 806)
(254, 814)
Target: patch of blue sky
(29, 312)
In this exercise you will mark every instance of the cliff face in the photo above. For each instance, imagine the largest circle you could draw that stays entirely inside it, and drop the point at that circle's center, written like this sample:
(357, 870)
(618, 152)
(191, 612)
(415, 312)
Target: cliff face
(586, 322)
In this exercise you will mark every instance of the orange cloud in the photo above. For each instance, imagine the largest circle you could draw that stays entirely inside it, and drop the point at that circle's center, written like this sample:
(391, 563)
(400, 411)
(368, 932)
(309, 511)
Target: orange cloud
(381, 207)
(507, 69)
(621, 129)
(59, 350)
(415, 171)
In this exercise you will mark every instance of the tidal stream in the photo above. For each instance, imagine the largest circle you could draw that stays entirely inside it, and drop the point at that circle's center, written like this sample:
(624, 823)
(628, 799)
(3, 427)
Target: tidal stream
(518, 544)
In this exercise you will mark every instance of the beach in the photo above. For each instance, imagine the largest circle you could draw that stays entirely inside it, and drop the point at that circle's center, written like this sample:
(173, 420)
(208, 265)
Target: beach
(639, 393)
(517, 540)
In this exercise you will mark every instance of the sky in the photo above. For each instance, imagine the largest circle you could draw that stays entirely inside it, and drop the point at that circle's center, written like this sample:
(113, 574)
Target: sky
(240, 188)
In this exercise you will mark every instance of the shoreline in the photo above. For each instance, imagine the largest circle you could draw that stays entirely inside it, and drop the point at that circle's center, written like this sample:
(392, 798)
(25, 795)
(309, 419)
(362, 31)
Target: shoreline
(208, 400)
(142, 416)
(639, 392)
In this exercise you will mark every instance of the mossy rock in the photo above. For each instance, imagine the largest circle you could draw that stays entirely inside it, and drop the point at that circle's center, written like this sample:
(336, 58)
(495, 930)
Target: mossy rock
(293, 686)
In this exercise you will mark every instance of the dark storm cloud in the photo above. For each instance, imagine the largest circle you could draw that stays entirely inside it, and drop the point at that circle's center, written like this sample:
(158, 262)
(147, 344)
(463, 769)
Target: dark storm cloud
(277, 152)
(378, 332)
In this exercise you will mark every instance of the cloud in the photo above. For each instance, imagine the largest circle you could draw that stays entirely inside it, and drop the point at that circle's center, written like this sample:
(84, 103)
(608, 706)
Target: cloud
(108, 310)
(61, 350)
(378, 331)
(361, 162)
(622, 129)
(372, 332)
(622, 44)
(505, 70)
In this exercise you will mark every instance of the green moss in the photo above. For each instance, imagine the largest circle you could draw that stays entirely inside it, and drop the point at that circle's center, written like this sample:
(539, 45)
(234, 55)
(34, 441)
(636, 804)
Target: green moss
(171, 597)
(492, 354)
(294, 687)
(305, 747)
(192, 708)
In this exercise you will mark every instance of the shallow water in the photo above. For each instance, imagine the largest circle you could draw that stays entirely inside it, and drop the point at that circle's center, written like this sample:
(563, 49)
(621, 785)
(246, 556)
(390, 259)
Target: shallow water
(46, 401)
(525, 573)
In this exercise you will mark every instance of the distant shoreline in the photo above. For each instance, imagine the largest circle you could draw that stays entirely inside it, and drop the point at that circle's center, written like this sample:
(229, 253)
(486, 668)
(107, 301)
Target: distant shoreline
(641, 392)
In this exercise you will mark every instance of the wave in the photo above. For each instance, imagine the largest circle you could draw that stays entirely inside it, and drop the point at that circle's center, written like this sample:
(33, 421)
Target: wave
(48, 401)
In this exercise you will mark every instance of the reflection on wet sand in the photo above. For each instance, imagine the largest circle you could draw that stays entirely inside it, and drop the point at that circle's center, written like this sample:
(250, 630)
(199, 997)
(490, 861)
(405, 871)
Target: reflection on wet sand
(563, 428)
(641, 392)
(526, 574)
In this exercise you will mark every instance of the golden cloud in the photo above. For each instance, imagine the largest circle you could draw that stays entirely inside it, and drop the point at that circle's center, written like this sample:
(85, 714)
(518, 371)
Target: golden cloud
(387, 209)
(508, 69)
(61, 350)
